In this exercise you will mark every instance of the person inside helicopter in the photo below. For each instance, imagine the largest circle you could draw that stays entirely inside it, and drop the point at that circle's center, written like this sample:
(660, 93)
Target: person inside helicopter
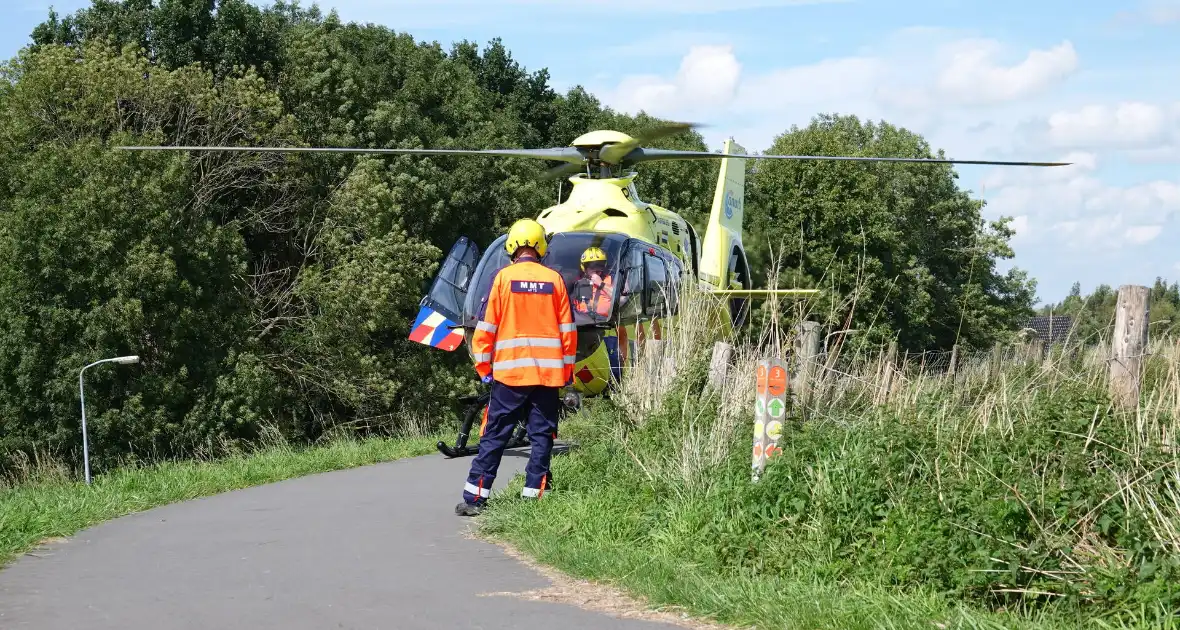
(593, 291)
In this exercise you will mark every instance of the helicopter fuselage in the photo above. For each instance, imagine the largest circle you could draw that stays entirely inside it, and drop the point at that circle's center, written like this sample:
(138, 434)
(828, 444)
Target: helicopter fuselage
(651, 251)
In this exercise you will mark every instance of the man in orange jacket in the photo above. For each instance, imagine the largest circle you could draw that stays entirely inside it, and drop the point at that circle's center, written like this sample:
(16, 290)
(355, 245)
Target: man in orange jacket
(525, 346)
(594, 290)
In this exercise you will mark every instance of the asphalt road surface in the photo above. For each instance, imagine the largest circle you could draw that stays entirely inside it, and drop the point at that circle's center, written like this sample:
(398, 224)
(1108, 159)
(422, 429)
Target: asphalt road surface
(372, 547)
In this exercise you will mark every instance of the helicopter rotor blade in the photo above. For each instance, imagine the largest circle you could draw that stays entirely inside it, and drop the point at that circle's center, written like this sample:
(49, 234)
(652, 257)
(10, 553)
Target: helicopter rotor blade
(563, 171)
(614, 153)
(651, 155)
(560, 154)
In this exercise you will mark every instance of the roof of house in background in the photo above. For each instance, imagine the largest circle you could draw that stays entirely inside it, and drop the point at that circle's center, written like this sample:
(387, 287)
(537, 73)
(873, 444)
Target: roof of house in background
(1051, 328)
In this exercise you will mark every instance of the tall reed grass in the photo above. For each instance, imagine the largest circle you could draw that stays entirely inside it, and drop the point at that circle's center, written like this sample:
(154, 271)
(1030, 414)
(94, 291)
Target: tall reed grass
(1010, 482)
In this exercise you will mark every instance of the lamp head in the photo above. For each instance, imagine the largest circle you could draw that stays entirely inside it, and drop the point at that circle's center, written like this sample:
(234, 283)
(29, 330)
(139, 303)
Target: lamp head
(127, 359)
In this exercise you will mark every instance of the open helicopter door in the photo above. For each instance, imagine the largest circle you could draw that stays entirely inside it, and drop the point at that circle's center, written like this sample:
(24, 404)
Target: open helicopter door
(439, 313)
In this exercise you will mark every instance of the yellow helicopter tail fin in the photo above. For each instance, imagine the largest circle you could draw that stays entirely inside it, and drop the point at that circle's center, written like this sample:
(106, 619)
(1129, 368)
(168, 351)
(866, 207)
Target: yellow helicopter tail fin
(722, 255)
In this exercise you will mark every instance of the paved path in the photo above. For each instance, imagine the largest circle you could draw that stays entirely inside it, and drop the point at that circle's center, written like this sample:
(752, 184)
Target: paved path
(372, 547)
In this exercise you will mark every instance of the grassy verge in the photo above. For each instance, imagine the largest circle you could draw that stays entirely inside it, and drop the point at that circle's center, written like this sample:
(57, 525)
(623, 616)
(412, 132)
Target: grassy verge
(51, 507)
(606, 524)
(1011, 495)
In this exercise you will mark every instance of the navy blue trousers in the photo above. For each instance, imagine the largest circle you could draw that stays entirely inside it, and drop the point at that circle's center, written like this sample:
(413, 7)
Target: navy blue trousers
(540, 405)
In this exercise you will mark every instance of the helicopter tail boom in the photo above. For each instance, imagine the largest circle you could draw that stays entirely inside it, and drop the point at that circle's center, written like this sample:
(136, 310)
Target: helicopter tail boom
(723, 237)
(764, 292)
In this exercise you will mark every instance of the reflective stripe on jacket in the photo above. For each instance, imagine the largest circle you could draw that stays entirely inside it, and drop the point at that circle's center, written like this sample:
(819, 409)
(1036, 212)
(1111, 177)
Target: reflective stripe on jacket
(527, 334)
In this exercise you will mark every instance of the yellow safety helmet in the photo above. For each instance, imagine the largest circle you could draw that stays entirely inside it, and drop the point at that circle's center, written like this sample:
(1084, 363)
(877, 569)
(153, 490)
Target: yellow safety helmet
(526, 232)
(593, 254)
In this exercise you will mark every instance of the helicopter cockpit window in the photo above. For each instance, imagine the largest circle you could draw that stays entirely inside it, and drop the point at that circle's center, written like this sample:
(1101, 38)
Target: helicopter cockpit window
(675, 277)
(591, 292)
(631, 302)
(657, 281)
(564, 255)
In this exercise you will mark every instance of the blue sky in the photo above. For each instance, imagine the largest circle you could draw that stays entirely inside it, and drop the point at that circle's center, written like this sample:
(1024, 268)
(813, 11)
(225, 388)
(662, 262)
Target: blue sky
(1091, 82)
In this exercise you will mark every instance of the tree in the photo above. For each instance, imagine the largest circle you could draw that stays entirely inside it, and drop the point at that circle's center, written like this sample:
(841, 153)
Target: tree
(276, 291)
(903, 240)
(261, 290)
(1093, 315)
(110, 252)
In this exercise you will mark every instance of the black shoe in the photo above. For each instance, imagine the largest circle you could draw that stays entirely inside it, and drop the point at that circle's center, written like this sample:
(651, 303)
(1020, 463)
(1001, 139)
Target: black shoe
(468, 509)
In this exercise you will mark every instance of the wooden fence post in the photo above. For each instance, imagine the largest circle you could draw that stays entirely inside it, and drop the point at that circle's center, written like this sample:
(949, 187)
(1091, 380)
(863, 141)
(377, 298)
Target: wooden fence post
(954, 361)
(807, 353)
(654, 351)
(996, 361)
(888, 374)
(1129, 345)
(719, 365)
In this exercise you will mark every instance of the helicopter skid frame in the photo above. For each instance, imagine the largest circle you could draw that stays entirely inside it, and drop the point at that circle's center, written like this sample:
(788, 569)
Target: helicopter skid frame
(473, 409)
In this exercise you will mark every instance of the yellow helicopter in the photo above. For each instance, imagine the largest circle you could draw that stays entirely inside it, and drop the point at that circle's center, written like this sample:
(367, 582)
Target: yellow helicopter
(649, 251)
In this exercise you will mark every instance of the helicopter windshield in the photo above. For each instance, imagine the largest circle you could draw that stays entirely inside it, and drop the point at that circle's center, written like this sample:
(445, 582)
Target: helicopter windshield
(493, 260)
(593, 299)
(564, 255)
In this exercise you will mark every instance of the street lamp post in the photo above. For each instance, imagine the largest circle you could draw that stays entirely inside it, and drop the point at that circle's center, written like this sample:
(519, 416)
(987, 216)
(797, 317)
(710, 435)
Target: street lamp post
(82, 392)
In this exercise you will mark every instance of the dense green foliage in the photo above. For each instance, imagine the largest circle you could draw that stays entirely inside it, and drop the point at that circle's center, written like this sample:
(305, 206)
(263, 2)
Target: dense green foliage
(898, 248)
(1024, 496)
(1093, 315)
(277, 290)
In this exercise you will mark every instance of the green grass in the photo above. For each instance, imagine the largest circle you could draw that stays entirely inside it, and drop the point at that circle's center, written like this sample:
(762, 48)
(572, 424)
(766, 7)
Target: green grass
(615, 529)
(39, 509)
(1009, 497)
(573, 533)
(674, 547)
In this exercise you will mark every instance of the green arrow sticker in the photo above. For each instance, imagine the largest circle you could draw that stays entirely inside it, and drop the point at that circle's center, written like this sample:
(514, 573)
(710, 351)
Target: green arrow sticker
(759, 406)
(777, 408)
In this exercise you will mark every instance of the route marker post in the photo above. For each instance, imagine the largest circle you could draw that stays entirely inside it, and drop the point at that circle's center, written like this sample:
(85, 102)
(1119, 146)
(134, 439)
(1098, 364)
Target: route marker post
(770, 411)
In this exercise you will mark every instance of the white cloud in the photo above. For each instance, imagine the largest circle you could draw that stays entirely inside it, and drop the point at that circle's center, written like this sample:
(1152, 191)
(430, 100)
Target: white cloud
(1164, 13)
(1161, 12)
(1142, 234)
(974, 98)
(1155, 155)
(1082, 212)
(843, 79)
(687, 6)
(1082, 160)
(1129, 124)
(707, 79)
(447, 11)
(1082, 163)
(974, 76)
(1157, 12)
(900, 80)
(1101, 234)
(1019, 225)
(669, 44)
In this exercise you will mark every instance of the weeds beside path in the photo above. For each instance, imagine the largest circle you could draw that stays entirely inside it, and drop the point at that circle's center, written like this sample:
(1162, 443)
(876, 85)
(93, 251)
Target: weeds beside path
(1011, 493)
(52, 508)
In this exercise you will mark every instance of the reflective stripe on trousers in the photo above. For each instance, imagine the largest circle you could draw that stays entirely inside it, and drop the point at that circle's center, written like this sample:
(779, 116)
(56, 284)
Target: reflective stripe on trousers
(540, 406)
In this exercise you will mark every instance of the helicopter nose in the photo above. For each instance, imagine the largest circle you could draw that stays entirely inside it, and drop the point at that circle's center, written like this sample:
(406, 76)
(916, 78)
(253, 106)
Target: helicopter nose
(588, 341)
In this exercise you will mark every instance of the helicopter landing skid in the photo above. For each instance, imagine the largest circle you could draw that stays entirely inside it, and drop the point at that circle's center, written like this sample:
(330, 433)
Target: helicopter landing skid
(475, 407)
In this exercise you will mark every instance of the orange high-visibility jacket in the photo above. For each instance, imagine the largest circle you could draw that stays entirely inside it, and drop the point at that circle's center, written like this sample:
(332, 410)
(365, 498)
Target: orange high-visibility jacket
(527, 334)
(600, 297)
